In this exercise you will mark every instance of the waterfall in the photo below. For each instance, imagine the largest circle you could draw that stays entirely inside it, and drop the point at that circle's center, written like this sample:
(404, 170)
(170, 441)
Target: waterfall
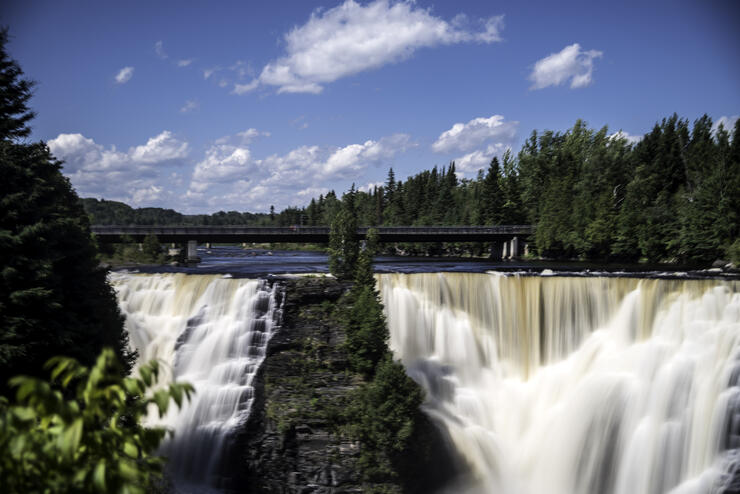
(576, 385)
(212, 332)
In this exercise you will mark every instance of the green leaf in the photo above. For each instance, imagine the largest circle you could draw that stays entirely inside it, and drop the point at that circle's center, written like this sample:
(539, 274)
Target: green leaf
(24, 414)
(130, 449)
(128, 470)
(16, 446)
(162, 399)
(69, 440)
(99, 476)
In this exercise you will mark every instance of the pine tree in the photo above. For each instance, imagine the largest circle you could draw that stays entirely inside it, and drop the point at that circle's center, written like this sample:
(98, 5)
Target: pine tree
(492, 198)
(15, 91)
(343, 245)
(54, 297)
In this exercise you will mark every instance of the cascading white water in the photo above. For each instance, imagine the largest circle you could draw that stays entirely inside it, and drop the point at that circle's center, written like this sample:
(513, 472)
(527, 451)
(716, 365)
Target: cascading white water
(209, 331)
(576, 385)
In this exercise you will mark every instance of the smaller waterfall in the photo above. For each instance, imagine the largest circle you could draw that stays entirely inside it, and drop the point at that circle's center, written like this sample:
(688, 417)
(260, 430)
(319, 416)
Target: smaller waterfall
(211, 332)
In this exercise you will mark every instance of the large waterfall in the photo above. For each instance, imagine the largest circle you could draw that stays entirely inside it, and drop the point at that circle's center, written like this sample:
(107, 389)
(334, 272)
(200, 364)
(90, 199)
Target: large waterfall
(212, 332)
(576, 385)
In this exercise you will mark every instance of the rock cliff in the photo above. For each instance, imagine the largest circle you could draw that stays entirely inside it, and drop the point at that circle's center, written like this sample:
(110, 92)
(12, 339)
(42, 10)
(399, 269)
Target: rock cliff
(297, 439)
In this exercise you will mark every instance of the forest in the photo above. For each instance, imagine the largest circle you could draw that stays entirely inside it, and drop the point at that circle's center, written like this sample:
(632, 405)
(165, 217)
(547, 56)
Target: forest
(674, 196)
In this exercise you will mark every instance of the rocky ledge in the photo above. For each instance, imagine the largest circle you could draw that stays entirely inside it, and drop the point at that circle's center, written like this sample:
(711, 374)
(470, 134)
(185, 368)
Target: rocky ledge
(295, 440)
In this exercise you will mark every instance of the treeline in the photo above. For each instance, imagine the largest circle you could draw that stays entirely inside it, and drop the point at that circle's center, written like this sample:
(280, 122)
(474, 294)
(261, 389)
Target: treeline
(104, 212)
(674, 196)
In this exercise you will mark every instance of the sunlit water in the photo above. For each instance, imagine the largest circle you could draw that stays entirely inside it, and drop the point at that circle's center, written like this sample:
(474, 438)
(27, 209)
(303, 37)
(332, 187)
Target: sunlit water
(576, 385)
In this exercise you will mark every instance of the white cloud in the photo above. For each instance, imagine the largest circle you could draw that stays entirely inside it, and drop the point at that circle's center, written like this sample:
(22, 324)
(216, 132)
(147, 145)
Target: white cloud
(728, 122)
(229, 174)
(146, 195)
(184, 62)
(627, 137)
(207, 73)
(245, 88)
(124, 75)
(477, 132)
(370, 186)
(481, 139)
(570, 63)
(159, 50)
(190, 105)
(164, 147)
(130, 176)
(472, 162)
(353, 38)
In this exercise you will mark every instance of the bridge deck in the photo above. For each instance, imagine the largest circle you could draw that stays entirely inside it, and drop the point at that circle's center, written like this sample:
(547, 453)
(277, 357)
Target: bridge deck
(310, 234)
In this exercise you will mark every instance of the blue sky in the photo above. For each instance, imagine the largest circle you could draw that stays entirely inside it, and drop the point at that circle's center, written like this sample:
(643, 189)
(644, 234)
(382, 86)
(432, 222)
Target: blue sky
(207, 106)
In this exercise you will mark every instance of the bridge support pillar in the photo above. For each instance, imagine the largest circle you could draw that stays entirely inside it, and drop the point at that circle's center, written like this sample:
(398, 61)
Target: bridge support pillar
(496, 248)
(208, 245)
(193, 251)
(506, 251)
(514, 250)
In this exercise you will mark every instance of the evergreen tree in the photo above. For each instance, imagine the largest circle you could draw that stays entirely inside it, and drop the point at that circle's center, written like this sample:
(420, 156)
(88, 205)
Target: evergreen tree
(343, 244)
(492, 197)
(54, 297)
(15, 91)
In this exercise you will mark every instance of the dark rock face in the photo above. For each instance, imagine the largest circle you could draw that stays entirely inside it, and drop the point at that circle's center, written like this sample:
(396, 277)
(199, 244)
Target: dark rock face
(291, 443)
(295, 440)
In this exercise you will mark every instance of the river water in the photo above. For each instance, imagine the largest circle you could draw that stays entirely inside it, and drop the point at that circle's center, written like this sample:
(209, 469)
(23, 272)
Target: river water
(561, 378)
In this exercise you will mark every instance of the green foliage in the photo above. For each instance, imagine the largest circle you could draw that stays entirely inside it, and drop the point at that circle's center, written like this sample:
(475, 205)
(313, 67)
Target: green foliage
(151, 248)
(364, 269)
(366, 329)
(80, 432)
(343, 244)
(54, 297)
(15, 91)
(385, 415)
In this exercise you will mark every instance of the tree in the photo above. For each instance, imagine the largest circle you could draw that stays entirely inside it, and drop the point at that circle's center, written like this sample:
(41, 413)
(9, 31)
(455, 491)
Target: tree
(54, 296)
(151, 248)
(492, 198)
(386, 415)
(80, 432)
(343, 245)
(15, 91)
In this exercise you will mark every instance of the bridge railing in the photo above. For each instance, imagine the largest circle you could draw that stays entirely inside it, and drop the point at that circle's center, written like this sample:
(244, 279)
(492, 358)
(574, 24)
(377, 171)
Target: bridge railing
(311, 230)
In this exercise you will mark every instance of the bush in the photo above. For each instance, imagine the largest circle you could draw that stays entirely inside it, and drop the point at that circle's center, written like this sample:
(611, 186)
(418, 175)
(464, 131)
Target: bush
(80, 432)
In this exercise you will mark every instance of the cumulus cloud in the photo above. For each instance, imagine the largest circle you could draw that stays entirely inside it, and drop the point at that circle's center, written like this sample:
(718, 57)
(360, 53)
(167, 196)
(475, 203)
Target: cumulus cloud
(184, 62)
(159, 50)
(130, 176)
(190, 105)
(353, 38)
(728, 122)
(230, 174)
(477, 132)
(164, 147)
(124, 75)
(571, 63)
(480, 139)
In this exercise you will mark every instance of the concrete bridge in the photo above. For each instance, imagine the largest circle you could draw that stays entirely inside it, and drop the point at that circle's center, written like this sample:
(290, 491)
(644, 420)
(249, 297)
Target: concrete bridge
(508, 240)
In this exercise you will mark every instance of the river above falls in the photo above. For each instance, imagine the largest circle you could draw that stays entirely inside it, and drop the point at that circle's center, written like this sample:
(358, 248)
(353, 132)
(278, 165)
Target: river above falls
(254, 263)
